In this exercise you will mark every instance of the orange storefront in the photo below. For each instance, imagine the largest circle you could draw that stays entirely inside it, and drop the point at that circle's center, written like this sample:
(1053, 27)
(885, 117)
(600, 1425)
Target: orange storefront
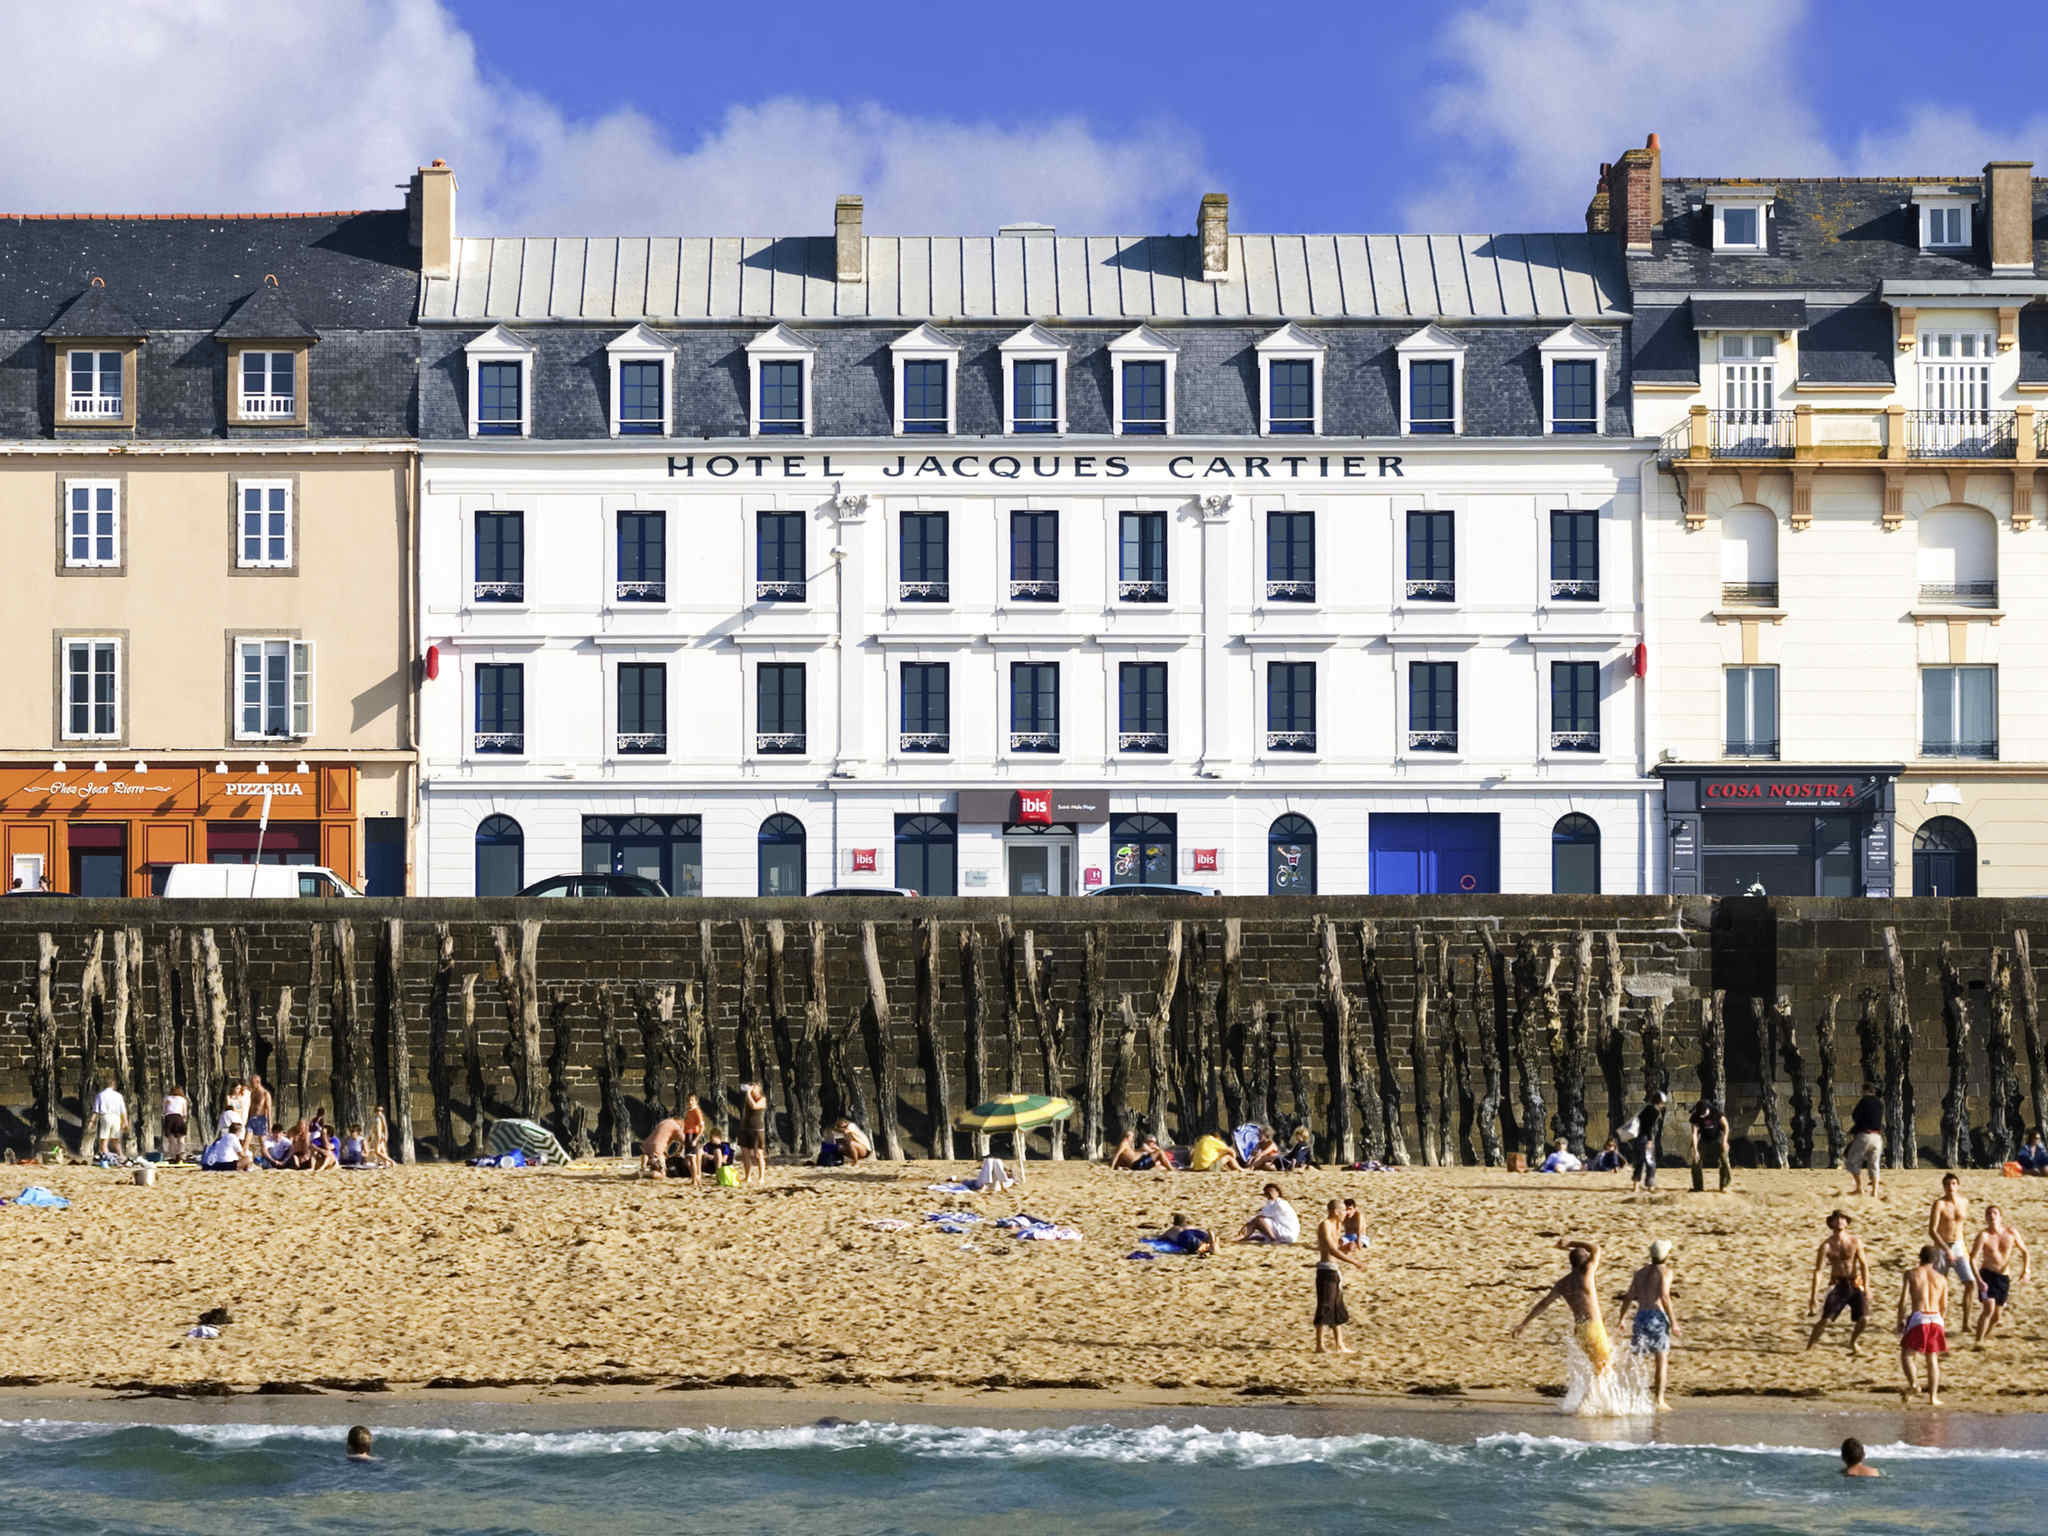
(115, 831)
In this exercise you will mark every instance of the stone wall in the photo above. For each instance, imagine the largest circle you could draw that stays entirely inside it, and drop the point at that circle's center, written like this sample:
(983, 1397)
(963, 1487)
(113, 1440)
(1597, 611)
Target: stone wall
(1803, 949)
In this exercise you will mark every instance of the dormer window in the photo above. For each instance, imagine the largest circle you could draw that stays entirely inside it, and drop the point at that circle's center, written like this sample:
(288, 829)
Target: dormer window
(779, 368)
(1741, 217)
(96, 348)
(1034, 383)
(96, 385)
(1944, 219)
(1432, 383)
(641, 366)
(500, 385)
(1574, 381)
(1291, 384)
(926, 360)
(270, 385)
(1141, 364)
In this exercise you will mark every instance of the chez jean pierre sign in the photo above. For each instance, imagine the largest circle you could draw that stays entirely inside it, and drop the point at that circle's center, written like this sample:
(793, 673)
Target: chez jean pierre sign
(1043, 466)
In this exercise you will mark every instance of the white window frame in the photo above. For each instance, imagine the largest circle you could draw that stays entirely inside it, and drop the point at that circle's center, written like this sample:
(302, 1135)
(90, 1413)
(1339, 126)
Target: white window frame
(268, 405)
(1034, 344)
(242, 513)
(1749, 669)
(1290, 344)
(925, 345)
(639, 345)
(91, 643)
(91, 487)
(1143, 345)
(779, 344)
(1762, 207)
(301, 664)
(1574, 344)
(1962, 206)
(1433, 344)
(98, 397)
(498, 345)
(1750, 361)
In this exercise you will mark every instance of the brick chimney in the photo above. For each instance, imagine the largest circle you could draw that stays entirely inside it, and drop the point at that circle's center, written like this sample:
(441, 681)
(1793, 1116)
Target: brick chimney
(430, 210)
(1600, 211)
(2009, 215)
(1635, 187)
(846, 234)
(1213, 226)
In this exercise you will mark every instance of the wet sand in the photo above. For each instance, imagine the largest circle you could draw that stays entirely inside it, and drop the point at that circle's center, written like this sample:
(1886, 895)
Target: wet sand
(587, 1286)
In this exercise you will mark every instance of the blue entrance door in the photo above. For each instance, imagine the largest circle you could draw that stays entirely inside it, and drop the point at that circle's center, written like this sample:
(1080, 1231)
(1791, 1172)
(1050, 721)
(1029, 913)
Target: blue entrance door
(1425, 855)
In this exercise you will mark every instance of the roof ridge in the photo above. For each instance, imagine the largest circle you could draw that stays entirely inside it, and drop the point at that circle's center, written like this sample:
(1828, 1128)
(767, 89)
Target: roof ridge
(1736, 181)
(162, 218)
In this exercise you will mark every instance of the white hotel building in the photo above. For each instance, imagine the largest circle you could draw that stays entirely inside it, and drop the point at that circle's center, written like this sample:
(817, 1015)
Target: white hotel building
(1032, 563)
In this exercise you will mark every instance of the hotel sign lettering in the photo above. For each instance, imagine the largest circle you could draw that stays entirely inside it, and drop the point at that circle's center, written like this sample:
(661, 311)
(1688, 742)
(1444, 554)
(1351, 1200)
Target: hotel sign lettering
(1041, 466)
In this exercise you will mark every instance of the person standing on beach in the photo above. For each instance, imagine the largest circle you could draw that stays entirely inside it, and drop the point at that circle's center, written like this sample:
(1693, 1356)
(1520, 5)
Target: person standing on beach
(1866, 1143)
(1649, 1292)
(1841, 1255)
(1923, 1304)
(1945, 1229)
(177, 1108)
(1578, 1287)
(262, 1108)
(753, 1135)
(1992, 1257)
(1649, 1124)
(112, 1111)
(1331, 1250)
(1709, 1144)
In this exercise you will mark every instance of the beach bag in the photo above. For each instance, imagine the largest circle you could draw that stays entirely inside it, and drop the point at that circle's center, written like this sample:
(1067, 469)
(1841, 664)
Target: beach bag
(728, 1177)
(1630, 1131)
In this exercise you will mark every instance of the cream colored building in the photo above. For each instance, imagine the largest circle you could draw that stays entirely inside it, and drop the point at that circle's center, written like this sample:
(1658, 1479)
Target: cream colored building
(207, 477)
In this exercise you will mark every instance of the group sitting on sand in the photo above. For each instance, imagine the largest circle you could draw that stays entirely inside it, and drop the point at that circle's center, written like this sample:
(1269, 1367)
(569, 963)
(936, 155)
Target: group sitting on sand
(1140, 1152)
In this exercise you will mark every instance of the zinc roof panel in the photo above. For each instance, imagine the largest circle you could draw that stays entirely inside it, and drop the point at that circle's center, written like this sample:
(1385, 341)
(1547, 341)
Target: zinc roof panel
(1325, 289)
(501, 294)
(536, 279)
(565, 288)
(629, 283)
(785, 259)
(756, 281)
(1133, 278)
(1546, 282)
(1511, 265)
(884, 294)
(1389, 277)
(725, 275)
(1447, 265)
(1026, 280)
(1290, 270)
(1104, 294)
(978, 276)
(693, 278)
(437, 299)
(1070, 262)
(600, 271)
(1169, 282)
(820, 269)
(942, 281)
(1354, 274)
(664, 272)
(1261, 282)
(1482, 275)
(472, 279)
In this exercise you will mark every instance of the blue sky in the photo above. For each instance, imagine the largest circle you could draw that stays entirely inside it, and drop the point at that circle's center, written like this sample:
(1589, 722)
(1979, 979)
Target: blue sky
(608, 116)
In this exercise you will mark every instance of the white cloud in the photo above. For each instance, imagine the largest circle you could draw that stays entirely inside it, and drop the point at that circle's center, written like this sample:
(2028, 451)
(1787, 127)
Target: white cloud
(173, 105)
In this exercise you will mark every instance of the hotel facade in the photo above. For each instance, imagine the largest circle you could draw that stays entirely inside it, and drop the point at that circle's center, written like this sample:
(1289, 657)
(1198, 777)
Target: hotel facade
(1031, 563)
(1845, 563)
(206, 473)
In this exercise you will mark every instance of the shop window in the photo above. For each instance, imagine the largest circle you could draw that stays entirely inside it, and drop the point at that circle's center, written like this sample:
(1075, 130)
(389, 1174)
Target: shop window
(1143, 849)
(669, 849)
(1762, 853)
(782, 857)
(99, 864)
(249, 842)
(927, 849)
(1944, 859)
(1291, 857)
(500, 857)
(1575, 856)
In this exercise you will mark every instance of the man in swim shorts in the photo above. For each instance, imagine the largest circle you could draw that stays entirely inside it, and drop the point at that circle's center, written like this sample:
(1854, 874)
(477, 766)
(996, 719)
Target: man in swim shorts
(1331, 1250)
(1865, 1152)
(1992, 1257)
(1923, 1303)
(1578, 1287)
(1945, 1230)
(1650, 1293)
(1841, 1255)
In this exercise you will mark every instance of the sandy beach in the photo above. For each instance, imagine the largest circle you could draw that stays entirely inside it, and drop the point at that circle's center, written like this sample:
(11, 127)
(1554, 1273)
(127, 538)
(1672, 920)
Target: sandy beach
(439, 1279)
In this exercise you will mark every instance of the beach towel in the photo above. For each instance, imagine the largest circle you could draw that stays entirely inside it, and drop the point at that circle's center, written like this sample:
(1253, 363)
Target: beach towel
(1047, 1234)
(1156, 1248)
(957, 1187)
(1207, 1150)
(35, 1194)
(530, 1137)
(1246, 1138)
(888, 1224)
(513, 1159)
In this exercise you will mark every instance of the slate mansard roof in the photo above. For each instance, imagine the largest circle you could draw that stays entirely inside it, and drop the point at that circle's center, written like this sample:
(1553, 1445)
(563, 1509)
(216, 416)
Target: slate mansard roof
(1836, 242)
(187, 286)
(1022, 277)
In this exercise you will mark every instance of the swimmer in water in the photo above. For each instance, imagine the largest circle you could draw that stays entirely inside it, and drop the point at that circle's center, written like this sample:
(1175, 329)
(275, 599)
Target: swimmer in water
(359, 1444)
(1578, 1287)
(1853, 1464)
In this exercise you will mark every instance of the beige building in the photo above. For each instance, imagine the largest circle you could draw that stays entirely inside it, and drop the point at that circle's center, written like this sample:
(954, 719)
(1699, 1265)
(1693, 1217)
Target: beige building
(207, 478)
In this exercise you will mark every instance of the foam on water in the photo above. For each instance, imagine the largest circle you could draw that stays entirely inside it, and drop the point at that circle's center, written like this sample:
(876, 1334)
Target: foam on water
(1623, 1391)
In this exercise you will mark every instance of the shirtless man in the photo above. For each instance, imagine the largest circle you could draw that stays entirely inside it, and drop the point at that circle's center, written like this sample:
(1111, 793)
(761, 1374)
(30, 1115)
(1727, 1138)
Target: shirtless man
(1945, 1230)
(1125, 1153)
(1841, 1255)
(655, 1149)
(1579, 1288)
(1331, 1250)
(1992, 1257)
(1923, 1302)
(1649, 1292)
(1353, 1235)
(262, 1107)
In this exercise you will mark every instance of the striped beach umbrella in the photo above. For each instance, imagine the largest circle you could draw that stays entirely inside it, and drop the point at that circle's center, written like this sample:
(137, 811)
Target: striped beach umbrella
(1016, 1113)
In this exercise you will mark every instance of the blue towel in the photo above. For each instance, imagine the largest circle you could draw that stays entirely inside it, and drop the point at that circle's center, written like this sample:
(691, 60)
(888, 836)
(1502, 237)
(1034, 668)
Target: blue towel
(1247, 1139)
(35, 1194)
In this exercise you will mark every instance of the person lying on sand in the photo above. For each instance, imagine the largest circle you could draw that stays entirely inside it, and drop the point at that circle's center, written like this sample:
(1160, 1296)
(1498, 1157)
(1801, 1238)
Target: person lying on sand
(1186, 1238)
(1841, 1255)
(1275, 1221)
(1578, 1288)
(1853, 1464)
(1992, 1256)
(654, 1151)
(1332, 1250)
(1923, 1306)
(1649, 1292)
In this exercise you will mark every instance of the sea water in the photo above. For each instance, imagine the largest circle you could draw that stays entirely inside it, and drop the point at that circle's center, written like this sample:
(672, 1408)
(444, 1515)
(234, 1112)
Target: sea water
(70, 1477)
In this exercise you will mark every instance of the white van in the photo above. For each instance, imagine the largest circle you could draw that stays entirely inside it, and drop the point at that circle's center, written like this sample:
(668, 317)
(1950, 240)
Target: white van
(263, 880)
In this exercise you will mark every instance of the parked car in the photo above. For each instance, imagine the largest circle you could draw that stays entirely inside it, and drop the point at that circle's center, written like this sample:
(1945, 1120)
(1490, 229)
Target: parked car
(866, 890)
(595, 885)
(262, 880)
(1156, 890)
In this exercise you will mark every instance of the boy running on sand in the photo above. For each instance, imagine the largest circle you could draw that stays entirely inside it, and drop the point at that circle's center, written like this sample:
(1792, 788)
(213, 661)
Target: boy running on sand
(1841, 1255)
(1650, 1293)
(1992, 1257)
(1578, 1287)
(1923, 1302)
